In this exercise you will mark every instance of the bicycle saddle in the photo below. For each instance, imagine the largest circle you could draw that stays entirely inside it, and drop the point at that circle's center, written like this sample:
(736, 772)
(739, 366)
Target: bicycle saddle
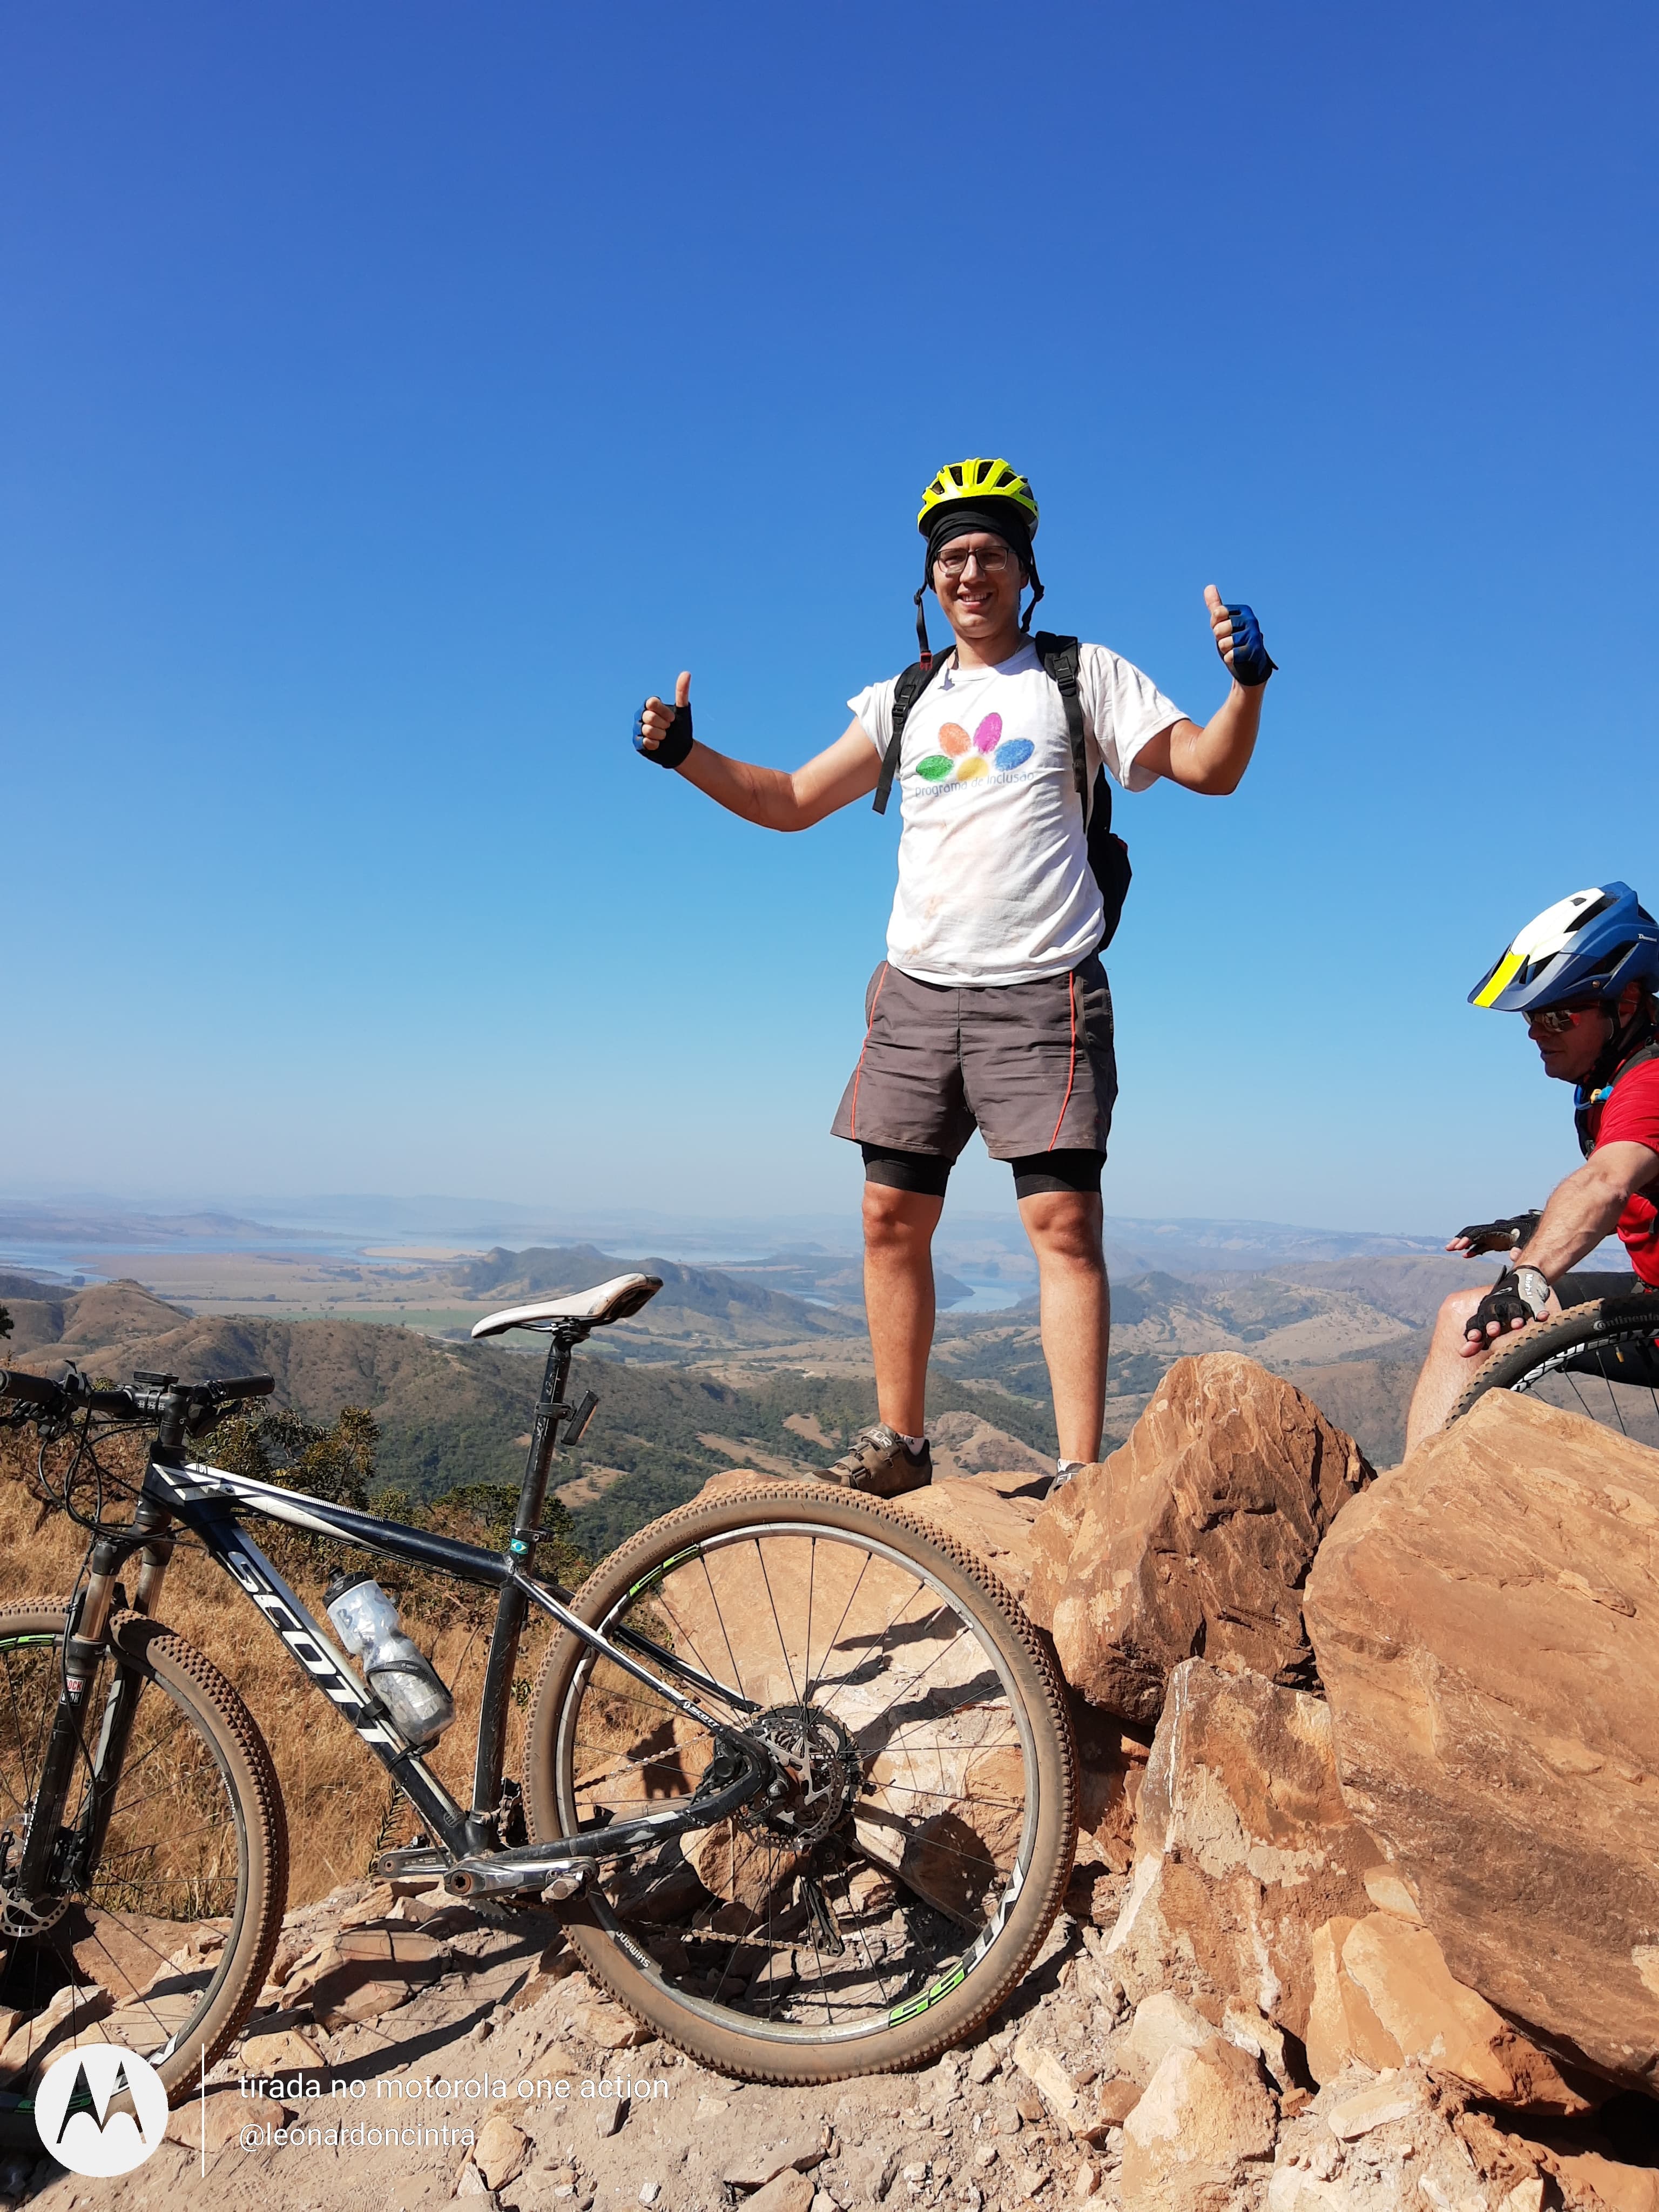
(613, 1301)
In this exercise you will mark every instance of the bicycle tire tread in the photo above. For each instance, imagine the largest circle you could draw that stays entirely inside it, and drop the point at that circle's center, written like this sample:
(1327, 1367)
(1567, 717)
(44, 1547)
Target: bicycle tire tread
(1525, 1349)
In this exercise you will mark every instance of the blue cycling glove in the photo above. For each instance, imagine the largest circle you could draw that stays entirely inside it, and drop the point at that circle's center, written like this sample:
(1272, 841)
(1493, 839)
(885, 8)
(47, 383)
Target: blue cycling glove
(1250, 662)
(674, 747)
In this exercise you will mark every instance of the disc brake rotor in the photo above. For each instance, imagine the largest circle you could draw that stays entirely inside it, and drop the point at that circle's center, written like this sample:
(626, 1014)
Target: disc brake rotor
(805, 1811)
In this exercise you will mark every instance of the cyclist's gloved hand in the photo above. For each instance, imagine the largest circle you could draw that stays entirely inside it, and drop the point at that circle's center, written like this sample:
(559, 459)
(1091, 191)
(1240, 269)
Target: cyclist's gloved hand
(1249, 662)
(669, 726)
(1507, 1235)
(1506, 1306)
(1238, 635)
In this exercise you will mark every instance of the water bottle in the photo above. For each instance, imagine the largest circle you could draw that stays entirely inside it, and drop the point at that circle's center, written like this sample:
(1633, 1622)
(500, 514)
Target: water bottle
(404, 1682)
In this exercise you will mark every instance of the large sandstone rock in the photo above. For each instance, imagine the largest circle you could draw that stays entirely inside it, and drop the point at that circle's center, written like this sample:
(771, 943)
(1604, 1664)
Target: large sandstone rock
(1384, 1996)
(1243, 1847)
(1193, 1538)
(1487, 1626)
(995, 1514)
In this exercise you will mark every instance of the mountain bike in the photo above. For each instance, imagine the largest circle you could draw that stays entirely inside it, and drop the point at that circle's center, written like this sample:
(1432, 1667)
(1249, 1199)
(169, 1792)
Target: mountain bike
(798, 1780)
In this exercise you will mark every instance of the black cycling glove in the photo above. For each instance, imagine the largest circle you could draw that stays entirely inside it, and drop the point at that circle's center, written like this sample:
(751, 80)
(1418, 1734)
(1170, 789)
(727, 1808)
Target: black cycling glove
(1505, 1304)
(1250, 662)
(1506, 1235)
(674, 747)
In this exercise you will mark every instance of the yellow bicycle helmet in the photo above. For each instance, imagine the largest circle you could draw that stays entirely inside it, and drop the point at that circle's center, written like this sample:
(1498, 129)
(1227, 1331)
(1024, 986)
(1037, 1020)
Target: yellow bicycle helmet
(977, 495)
(977, 483)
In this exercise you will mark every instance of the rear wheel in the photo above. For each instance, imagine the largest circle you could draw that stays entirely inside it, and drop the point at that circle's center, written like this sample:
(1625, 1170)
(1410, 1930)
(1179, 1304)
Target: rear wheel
(161, 1944)
(1600, 1359)
(870, 1916)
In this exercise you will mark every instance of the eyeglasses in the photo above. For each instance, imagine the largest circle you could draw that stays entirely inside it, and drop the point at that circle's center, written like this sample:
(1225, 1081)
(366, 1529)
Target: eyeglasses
(1556, 1021)
(993, 560)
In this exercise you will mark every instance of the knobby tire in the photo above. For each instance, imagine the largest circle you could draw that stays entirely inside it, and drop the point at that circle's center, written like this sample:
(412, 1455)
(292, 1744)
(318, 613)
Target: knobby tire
(1613, 1331)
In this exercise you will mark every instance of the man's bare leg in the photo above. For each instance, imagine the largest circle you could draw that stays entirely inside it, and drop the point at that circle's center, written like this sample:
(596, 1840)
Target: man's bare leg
(898, 1298)
(1447, 1373)
(1064, 1230)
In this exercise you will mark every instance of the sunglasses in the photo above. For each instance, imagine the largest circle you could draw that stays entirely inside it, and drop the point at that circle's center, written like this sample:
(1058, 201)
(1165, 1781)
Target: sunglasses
(1556, 1021)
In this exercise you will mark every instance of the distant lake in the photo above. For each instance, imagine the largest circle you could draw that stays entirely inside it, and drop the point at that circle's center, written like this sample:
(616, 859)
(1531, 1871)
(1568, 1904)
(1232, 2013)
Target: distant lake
(988, 1296)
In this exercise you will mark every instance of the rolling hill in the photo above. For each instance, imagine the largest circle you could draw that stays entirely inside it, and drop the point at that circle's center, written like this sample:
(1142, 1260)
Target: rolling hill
(748, 1374)
(694, 1303)
(451, 1414)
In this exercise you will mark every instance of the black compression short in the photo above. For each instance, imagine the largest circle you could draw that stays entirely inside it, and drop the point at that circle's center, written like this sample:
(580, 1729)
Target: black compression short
(927, 1173)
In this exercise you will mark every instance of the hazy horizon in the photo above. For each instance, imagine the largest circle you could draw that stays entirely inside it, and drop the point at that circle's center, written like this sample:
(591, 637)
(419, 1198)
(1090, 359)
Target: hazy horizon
(85, 1224)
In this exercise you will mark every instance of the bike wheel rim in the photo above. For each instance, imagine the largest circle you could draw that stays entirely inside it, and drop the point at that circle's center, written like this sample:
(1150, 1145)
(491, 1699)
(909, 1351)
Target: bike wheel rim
(759, 2027)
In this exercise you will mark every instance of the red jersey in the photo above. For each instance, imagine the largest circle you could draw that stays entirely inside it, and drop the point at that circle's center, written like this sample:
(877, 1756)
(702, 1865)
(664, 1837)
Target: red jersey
(1629, 1114)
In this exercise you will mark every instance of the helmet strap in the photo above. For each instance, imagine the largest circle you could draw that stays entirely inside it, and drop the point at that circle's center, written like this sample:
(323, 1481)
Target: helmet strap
(921, 630)
(1037, 593)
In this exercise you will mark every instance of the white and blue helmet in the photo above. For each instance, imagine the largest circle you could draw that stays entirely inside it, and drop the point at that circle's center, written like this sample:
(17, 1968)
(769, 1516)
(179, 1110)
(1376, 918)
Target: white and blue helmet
(1595, 942)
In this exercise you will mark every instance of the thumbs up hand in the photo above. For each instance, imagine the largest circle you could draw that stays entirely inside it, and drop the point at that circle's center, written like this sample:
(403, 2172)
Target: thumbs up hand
(1237, 637)
(663, 733)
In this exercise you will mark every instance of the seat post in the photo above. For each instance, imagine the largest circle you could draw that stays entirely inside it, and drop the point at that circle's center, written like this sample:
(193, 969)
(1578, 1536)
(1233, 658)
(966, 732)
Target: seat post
(543, 1433)
(511, 1604)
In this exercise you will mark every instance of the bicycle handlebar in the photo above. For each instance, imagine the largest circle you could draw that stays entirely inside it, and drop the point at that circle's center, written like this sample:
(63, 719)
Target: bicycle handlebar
(244, 1386)
(148, 1397)
(31, 1391)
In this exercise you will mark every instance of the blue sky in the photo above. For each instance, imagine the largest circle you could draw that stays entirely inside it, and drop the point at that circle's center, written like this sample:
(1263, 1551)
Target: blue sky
(392, 394)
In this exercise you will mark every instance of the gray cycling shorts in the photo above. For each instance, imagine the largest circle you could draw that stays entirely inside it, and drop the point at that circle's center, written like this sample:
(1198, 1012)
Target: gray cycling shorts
(1030, 1065)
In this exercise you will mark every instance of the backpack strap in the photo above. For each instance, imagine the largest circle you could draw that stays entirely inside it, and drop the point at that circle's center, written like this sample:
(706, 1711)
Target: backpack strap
(1061, 658)
(906, 692)
(1583, 1103)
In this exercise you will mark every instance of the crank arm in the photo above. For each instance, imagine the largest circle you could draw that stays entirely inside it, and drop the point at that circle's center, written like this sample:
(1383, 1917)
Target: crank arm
(398, 1866)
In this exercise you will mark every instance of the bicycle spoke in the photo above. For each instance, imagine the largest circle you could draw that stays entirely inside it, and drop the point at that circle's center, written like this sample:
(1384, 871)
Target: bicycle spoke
(835, 1644)
(772, 1601)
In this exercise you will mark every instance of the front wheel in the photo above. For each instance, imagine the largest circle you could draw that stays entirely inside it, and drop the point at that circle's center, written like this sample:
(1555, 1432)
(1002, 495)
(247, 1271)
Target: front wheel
(1600, 1359)
(870, 1915)
(173, 1872)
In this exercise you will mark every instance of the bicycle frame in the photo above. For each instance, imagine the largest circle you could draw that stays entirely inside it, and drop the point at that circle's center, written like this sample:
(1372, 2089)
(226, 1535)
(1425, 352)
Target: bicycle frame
(178, 1490)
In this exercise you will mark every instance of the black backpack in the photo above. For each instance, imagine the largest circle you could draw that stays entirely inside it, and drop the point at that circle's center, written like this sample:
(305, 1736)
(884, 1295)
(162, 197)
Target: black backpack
(1108, 856)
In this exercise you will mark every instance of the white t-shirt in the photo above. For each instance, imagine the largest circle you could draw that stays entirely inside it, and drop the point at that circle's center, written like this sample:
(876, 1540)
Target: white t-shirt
(994, 884)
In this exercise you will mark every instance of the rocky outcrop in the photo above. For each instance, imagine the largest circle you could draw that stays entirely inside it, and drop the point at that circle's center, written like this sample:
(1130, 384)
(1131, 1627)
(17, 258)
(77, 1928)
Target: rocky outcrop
(1485, 1622)
(1384, 1997)
(1194, 1538)
(1243, 1847)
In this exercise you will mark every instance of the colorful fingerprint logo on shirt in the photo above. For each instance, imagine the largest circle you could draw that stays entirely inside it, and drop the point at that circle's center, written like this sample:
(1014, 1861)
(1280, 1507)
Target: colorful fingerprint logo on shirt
(961, 759)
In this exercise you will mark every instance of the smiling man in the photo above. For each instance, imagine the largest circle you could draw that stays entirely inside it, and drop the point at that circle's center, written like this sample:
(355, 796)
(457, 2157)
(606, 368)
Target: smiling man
(1584, 974)
(991, 1009)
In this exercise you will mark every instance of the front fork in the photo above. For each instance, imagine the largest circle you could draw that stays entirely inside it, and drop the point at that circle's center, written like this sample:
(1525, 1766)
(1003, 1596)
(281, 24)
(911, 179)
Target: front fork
(41, 1874)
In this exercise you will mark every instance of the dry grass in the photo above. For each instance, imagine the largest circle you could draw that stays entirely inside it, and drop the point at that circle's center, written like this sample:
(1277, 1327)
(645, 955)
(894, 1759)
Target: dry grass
(338, 1797)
